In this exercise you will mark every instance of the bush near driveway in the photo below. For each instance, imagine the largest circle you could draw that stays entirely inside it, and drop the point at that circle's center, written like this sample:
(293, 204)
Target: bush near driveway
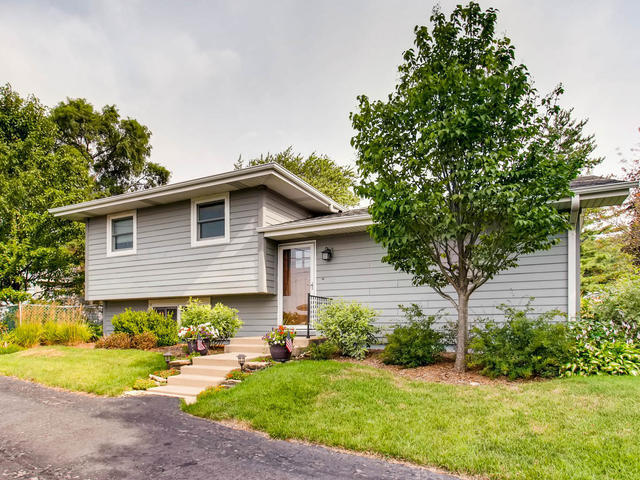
(349, 326)
(103, 372)
(415, 343)
(523, 347)
(563, 429)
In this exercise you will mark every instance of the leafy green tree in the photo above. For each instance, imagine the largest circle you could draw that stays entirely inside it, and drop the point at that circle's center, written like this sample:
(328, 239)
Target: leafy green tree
(319, 171)
(464, 160)
(603, 261)
(36, 249)
(116, 149)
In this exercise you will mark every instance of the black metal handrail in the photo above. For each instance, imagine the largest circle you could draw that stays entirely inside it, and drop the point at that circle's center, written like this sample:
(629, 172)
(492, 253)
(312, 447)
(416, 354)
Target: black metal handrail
(314, 303)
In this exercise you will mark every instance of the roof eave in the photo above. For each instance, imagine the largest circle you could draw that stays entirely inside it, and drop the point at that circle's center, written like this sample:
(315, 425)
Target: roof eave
(154, 196)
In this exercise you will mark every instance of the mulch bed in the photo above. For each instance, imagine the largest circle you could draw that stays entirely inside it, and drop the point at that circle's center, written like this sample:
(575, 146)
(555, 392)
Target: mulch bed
(441, 372)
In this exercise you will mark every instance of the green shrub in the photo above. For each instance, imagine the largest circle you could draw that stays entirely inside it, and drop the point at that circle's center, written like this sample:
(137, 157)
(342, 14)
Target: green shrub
(223, 318)
(10, 349)
(144, 341)
(137, 322)
(96, 330)
(521, 348)
(416, 343)
(612, 315)
(144, 384)
(27, 335)
(349, 326)
(607, 335)
(64, 333)
(118, 340)
(322, 350)
(613, 358)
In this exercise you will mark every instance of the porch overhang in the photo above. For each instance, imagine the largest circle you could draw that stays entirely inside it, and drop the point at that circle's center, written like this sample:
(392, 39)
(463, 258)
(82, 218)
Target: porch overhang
(317, 227)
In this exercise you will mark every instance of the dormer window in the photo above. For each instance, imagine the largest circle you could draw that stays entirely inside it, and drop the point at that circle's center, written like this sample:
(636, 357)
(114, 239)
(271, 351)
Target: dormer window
(210, 220)
(121, 234)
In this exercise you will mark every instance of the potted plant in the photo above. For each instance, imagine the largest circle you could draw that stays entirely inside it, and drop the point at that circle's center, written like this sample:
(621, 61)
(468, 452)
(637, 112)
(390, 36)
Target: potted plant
(198, 337)
(280, 341)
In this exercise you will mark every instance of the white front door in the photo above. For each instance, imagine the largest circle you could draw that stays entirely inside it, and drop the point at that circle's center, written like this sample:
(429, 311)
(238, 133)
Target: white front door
(296, 280)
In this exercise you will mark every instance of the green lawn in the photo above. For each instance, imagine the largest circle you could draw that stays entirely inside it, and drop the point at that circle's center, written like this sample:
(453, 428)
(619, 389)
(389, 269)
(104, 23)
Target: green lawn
(103, 372)
(579, 428)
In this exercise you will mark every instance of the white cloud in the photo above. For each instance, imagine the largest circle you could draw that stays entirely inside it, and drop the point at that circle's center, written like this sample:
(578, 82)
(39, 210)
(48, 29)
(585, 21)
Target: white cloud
(216, 79)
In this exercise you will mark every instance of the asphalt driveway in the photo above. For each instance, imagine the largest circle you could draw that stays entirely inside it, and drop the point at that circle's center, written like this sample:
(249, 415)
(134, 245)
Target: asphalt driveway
(49, 434)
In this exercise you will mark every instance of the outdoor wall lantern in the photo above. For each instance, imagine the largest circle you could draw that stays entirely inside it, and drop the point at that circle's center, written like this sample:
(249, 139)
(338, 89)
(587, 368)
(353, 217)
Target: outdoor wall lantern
(241, 358)
(327, 253)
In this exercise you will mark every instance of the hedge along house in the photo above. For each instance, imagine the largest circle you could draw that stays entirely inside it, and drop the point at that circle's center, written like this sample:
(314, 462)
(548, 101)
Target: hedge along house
(265, 242)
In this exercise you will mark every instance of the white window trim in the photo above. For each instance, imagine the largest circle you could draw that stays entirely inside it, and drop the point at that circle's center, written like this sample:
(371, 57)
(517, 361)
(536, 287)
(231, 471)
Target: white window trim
(130, 251)
(194, 221)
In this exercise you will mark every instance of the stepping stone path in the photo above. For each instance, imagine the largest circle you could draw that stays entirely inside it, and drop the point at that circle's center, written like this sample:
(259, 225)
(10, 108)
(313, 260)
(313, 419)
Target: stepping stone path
(211, 370)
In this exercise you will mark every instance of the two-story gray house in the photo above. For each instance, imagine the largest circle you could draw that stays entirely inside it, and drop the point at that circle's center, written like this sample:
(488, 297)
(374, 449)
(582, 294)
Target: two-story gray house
(261, 240)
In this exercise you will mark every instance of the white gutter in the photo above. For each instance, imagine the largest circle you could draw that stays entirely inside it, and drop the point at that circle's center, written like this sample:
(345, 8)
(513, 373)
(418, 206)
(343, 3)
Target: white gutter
(573, 259)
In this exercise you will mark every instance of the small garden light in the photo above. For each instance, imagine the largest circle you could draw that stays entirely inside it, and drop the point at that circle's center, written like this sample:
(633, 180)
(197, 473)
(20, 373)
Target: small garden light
(327, 253)
(241, 358)
(167, 358)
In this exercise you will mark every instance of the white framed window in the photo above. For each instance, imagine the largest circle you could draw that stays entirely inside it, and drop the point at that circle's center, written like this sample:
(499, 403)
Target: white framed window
(122, 236)
(210, 220)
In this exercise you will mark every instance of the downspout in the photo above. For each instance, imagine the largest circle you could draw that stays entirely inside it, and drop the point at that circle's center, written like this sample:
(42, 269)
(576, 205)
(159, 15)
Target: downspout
(573, 259)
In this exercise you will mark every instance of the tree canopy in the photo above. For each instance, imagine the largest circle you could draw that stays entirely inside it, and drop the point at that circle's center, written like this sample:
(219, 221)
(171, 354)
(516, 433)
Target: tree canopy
(320, 171)
(116, 149)
(603, 260)
(49, 159)
(464, 159)
(36, 173)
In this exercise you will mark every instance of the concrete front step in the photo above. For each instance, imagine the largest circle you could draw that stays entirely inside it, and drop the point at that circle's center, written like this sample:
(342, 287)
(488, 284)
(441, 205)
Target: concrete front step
(206, 370)
(202, 381)
(189, 394)
(224, 359)
(247, 347)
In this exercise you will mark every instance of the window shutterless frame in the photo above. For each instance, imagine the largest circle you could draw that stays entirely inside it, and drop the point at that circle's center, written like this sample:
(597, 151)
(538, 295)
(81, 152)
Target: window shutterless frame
(210, 216)
(113, 235)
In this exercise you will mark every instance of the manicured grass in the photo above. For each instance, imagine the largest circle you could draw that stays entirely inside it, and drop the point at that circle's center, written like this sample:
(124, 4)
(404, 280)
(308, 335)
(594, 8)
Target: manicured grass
(577, 428)
(103, 372)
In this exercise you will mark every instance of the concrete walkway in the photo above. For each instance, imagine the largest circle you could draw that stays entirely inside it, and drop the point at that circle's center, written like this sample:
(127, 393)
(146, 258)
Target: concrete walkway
(49, 434)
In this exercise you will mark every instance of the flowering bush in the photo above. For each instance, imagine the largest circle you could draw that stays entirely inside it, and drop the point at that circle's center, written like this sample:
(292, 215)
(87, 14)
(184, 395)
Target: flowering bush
(279, 335)
(206, 331)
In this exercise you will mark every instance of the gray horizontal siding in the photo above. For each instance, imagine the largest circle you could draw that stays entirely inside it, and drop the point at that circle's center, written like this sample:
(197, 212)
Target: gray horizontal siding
(278, 209)
(275, 210)
(356, 272)
(166, 265)
(258, 312)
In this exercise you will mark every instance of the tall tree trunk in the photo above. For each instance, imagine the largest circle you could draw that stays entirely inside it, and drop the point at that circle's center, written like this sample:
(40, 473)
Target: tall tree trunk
(461, 347)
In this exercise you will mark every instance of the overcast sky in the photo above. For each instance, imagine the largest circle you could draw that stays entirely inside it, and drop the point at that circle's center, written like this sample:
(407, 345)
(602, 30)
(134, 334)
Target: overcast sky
(216, 79)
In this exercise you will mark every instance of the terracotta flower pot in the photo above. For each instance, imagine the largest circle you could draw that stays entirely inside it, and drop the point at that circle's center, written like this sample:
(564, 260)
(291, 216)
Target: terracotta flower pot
(279, 353)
